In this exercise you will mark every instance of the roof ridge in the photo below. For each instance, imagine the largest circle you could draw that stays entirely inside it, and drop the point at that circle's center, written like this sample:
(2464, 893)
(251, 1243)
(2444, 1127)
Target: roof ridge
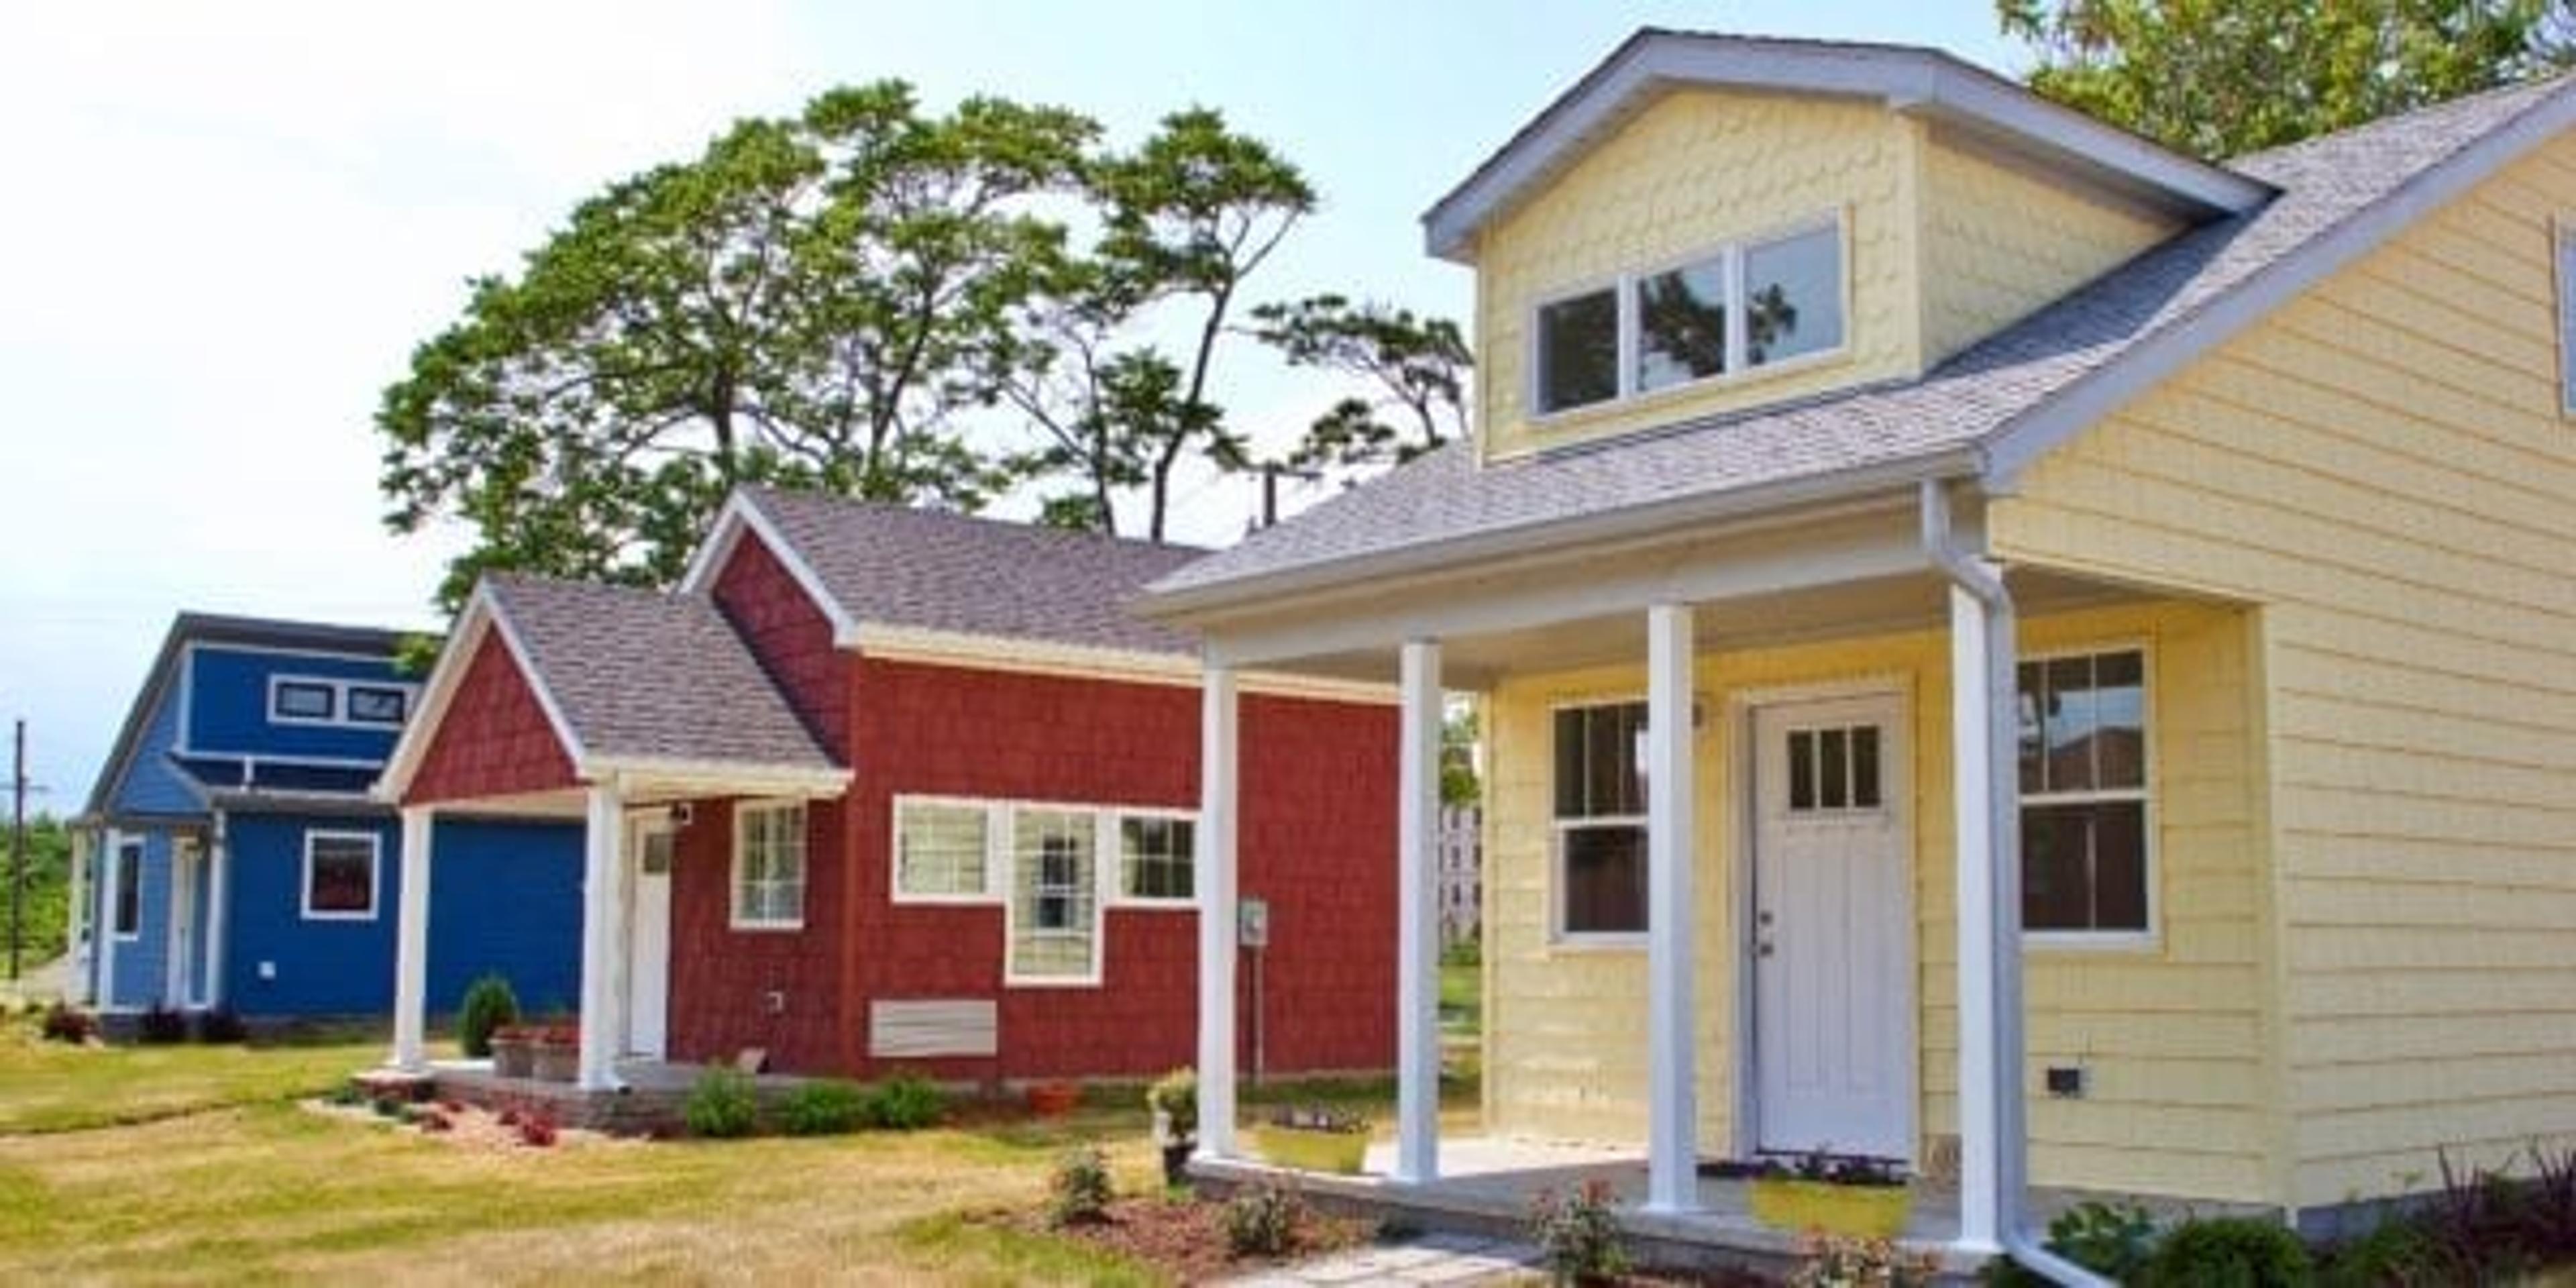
(1022, 528)
(2539, 87)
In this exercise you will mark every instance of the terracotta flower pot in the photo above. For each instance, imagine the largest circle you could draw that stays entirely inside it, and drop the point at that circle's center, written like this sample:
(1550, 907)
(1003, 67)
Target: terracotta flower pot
(1053, 1099)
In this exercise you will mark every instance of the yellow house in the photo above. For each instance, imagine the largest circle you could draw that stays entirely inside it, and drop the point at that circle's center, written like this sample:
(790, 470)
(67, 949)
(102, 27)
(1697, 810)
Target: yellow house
(2112, 618)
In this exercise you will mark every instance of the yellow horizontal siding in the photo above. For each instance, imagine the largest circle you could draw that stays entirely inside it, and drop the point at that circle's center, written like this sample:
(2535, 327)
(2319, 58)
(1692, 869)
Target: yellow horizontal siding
(2168, 1033)
(2383, 465)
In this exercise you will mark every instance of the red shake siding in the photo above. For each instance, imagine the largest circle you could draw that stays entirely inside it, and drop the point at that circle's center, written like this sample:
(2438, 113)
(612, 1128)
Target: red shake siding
(779, 990)
(1317, 841)
(790, 636)
(493, 739)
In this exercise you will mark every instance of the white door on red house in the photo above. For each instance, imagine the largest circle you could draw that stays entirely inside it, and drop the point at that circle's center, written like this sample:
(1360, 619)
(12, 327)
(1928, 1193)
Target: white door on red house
(1832, 943)
(648, 938)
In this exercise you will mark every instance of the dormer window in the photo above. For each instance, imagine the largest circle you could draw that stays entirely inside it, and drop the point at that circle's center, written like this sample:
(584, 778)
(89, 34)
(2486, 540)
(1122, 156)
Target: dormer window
(1724, 312)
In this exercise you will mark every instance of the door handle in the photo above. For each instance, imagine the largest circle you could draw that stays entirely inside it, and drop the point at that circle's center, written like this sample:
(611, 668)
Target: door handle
(1762, 949)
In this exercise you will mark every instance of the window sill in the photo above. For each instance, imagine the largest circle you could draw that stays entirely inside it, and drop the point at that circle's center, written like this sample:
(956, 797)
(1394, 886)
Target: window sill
(339, 916)
(1602, 943)
(900, 899)
(2085, 943)
(1043, 981)
(1155, 905)
(765, 927)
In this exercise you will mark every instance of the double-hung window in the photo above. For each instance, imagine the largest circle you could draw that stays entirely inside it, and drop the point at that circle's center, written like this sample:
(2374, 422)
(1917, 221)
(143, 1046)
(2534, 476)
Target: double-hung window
(1054, 895)
(2084, 828)
(1156, 858)
(340, 876)
(940, 849)
(1734, 308)
(1600, 820)
(769, 866)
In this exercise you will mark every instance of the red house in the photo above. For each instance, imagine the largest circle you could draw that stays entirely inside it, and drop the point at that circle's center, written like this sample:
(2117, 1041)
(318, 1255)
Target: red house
(881, 788)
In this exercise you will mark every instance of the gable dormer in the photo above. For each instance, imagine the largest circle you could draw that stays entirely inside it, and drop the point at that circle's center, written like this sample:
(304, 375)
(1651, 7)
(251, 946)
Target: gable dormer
(1709, 224)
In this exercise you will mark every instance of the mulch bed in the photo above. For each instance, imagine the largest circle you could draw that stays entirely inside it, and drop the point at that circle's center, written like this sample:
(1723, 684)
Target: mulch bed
(1187, 1236)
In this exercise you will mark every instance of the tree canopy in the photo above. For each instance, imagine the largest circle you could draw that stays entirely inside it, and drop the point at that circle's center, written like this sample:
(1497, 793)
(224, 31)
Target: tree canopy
(2218, 78)
(873, 300)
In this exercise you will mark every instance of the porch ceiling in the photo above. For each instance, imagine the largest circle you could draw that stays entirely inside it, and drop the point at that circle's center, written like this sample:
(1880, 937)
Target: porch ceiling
(1870, 606)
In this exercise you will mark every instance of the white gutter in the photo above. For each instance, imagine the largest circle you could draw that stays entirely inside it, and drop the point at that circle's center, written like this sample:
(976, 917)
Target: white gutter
(2001, 1013)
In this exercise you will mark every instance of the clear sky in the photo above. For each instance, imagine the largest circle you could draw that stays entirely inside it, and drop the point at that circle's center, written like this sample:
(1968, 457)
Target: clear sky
(227, 225)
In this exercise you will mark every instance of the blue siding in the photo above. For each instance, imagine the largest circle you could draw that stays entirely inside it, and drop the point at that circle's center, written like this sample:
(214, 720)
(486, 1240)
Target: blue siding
(228, 706)
(143, 962)
(151, 786)
(504, 897)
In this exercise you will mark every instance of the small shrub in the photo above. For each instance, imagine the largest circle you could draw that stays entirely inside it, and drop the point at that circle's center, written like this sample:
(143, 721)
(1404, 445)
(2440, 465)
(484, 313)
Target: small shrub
(2111, 1240)
(1261, 1221)
(823, 1108)
(489, 1004)
(905, 1102)
(347, 1094)
(1835, 1261)
(722, 1105)
(63, 1023)
(163, 1024)
(537, 1131)
(1577, 1234)
(1079, 1190)
(1176, 1097)
(2396, 1254)
(222, 1026)
(2240, 1252)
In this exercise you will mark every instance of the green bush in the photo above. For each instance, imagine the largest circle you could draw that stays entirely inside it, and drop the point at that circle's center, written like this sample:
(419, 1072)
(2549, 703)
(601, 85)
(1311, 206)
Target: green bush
(2397, 1252)
(2230, 1252)
(1261, 1221)
(1176, 1096)
(1079, 1189)
(823, 1108)
(1578, 1234)
(489, 1004)
(2112, 1240)
(905, 1102)
(722, 1104)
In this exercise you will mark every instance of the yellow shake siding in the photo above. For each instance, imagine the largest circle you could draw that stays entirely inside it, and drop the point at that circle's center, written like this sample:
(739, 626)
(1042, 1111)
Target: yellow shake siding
(2170, 1033)
(2000, 240)
(2383, 464)
(1690, 172)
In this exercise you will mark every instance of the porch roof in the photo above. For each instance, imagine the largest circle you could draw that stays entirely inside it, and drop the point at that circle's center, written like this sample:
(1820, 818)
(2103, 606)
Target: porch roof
(1985, 412)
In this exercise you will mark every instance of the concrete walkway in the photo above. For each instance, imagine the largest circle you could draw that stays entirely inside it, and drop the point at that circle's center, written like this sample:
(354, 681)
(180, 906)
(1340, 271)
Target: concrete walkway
(1431, 1259)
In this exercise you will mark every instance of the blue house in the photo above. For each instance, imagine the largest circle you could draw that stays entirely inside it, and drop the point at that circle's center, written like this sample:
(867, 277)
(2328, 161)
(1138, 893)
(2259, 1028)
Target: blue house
(234, 859)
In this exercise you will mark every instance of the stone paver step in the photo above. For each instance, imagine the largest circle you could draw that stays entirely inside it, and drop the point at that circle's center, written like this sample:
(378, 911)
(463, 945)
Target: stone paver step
(1445, 1259)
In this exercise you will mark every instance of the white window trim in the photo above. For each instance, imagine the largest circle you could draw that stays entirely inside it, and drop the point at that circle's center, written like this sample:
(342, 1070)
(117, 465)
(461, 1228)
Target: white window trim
(339, 687)
(1117, 833)
(141, 853)
(742, 812)
(1558, 936)
(375, 875)
(1738, 372)
(2151, 938)
(996, 852)
(1102, 883)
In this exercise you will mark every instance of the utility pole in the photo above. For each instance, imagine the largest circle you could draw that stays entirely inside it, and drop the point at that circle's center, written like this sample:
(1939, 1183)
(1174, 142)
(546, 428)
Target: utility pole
(17, 846)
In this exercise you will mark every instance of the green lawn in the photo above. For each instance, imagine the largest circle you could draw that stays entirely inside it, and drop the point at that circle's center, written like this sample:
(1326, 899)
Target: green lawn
(193, 1164)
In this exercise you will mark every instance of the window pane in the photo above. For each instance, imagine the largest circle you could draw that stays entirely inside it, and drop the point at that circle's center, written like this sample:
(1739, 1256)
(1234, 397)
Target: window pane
(129, 889)
(2120, 866)
(1802, 770)
(1052, 894)
(2032, 694)
(1607, 753)
(2120, 711)
(1835, 790)
(2072, 725)
(304, 701)
(1578, 351)
(1681, 325)
(769, 873)
(341, 875)
(1864, 752)
(1793, 296)
(2056, 891)
(1569, 762)
(371, 705)
(1157, 857)
(1628, 776)
(941, 849)
(1605, 879)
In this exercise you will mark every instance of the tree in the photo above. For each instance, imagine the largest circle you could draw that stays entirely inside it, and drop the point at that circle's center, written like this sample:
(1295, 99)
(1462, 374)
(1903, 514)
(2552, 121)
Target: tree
(47, 913)
(810, 301)
(1416, 366)
(2218, 78)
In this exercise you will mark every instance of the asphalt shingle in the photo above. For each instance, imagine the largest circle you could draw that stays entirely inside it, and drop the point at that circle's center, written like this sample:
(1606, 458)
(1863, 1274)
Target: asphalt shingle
(1966, 401)
(639, 673)
(933, 570)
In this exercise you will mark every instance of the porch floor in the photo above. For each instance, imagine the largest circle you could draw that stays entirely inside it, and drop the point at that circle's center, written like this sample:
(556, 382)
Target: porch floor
(1487, 1184)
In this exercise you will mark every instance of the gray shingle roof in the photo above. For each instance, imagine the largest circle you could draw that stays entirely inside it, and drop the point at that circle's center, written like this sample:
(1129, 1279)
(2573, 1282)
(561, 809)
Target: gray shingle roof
(891, 566)
(639, 673)
(1960, 406)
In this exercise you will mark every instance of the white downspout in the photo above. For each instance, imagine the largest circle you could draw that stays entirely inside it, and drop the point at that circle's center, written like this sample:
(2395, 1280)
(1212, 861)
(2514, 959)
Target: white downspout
(1979, 580)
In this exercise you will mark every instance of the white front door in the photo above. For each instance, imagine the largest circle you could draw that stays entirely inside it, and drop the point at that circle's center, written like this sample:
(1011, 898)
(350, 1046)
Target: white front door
(1832, 936)
(181, 987)
(648, 936)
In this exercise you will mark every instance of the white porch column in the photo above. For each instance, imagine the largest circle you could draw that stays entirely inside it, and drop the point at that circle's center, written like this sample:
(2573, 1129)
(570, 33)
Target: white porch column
(111, 874)
(1417, 959)
(1214, 861)
(411, 941)
(603, 935)
(1672, 1120)
(219, 905)
(1974, 627)
(84, 952)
